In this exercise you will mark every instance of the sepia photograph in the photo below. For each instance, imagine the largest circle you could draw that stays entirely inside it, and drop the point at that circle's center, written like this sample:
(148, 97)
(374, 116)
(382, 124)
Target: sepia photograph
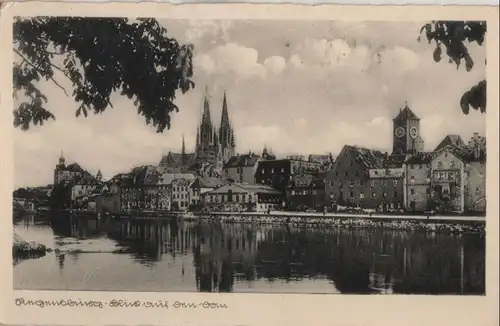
(237, 156)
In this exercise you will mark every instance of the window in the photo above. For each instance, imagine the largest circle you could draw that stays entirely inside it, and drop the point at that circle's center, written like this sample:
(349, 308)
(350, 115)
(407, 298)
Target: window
(412, 178)
(346, 173)
(237, 198)
(361, 195)
(356, 173)
(374, 194)
(427, 191)
(412, 191)
(272, 170)
(293, 192)
(440, 165)
(372, 183)
(395, 194)
(384, 183)
(452, 164)
(394, 183)
(351, 194)
(445, 154)
(385, 194)
(450, 176)
(282, 170)
(420, 166)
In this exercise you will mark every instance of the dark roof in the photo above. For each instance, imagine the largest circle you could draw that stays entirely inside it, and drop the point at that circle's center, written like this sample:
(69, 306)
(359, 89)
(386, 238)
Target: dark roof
(450, 140)
(178, 160)
(406, 114)
(74, 167)
(371, 159)
(242, 160)
(420, 158)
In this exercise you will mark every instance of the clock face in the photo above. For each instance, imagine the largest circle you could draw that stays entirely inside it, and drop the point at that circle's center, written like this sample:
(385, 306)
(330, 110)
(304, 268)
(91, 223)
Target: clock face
(399, 132)
(413, 132)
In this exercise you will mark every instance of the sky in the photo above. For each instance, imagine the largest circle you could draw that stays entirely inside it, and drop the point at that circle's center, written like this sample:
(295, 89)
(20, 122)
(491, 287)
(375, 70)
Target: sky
(298, 87)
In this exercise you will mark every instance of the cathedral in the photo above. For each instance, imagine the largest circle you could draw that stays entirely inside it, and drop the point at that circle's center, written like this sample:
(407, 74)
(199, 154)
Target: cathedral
(214, 146)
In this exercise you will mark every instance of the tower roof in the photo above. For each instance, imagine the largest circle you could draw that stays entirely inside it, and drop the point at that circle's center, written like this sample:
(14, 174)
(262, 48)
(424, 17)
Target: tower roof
(406, 114)
(225, 115)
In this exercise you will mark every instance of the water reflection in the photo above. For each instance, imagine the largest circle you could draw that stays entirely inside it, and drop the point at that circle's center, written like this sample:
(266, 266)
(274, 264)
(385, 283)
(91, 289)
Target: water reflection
(222, 257)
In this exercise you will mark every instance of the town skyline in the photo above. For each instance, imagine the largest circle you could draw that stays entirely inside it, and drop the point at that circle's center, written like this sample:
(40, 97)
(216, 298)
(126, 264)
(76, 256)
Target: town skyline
(304, 97)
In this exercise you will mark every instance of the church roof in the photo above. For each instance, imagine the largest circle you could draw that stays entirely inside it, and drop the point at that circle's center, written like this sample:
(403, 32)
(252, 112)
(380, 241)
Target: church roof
(175, 160)
(406, 114)
(450, 140)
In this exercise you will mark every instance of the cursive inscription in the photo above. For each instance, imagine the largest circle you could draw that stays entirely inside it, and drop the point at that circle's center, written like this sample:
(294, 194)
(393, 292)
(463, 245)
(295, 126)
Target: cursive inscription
(118, 304)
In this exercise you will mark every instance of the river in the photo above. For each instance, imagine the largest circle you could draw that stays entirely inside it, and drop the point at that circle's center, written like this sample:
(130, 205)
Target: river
(178, 256)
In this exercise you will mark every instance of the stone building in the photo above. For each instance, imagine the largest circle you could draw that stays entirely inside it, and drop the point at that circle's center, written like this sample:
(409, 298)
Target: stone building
(417, 182)
(450, 179)
(241, 168)
(348, 182)
(386, 189)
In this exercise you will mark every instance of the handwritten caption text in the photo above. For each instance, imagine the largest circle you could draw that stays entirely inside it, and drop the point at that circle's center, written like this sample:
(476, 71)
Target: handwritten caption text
(119, 304)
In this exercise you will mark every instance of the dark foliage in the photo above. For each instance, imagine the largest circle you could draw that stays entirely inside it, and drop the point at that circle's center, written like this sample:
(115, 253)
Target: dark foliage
(99, 56)
(453, 37)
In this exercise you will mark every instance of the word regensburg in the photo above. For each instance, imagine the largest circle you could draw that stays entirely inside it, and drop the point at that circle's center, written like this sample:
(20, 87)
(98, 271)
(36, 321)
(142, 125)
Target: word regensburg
(118, 304)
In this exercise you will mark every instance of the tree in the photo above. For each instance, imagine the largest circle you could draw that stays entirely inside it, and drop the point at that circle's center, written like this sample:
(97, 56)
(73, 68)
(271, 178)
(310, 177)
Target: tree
(100, 56)
(454, 36)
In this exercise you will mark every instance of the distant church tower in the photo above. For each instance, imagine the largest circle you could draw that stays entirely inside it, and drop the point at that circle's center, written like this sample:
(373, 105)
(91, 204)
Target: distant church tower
(215, 146)
(226, 134)
(406, 133)
(59, 168)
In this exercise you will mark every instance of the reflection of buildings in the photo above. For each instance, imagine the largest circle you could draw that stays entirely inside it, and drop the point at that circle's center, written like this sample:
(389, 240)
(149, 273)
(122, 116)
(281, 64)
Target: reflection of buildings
(356, 261)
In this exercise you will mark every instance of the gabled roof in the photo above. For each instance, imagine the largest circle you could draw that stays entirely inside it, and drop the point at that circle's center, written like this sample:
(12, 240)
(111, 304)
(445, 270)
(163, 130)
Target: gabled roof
(242, 161)
(369, 158)
(406, 114)
(465, 153)
(420, 158)
(450, 140)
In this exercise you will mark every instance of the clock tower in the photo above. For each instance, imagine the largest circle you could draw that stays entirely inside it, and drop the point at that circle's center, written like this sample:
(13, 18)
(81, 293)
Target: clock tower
(406, 133)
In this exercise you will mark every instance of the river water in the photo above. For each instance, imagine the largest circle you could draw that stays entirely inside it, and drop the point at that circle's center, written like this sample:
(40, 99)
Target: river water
(179, 256)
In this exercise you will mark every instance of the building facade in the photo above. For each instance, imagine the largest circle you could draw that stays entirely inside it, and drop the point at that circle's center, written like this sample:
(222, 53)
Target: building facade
(306, 191)
(348, 182)
(417, 182)
(241, 168)
(239, 197)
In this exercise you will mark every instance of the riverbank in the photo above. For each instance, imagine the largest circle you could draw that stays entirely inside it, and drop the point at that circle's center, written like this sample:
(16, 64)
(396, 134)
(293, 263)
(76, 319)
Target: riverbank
(441, 224)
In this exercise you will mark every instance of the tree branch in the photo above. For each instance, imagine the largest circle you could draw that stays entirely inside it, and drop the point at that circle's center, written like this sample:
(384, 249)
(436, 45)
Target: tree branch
(38, 69)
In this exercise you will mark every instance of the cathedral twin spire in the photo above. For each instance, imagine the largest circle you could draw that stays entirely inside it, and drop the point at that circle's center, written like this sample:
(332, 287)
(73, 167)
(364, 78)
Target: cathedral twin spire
(208, 137)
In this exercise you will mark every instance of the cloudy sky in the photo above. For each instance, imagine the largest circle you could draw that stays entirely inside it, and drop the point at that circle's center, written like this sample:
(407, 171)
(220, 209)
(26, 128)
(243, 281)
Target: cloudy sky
(299, 87)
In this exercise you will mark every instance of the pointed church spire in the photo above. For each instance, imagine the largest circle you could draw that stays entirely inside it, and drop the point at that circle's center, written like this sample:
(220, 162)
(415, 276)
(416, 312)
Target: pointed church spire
(225, 115)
